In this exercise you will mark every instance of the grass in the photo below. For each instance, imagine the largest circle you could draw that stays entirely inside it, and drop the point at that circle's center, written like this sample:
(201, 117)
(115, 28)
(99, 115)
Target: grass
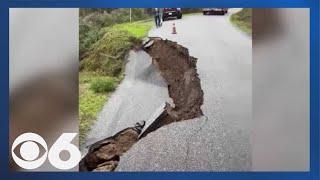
(137, 29)
(102, 69)
(107, 55)
(103, 85)
(90, 101)
(243, 20)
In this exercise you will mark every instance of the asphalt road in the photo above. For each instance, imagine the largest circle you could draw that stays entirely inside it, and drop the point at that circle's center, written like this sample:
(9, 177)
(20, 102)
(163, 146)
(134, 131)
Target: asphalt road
(139, 95)
(219, 141)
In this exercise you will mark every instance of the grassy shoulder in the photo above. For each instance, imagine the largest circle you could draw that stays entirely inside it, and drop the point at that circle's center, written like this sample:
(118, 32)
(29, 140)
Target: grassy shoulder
(94, 91)
(243, 20)
(102, 69)
(107, 55)
(137, 29)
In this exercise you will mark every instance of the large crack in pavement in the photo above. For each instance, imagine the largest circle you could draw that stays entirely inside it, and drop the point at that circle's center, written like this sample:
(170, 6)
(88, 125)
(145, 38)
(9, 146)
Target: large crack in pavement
(178, 69)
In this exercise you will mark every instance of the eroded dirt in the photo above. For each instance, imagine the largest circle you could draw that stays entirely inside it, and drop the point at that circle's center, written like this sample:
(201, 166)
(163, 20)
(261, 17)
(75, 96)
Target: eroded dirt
(104, 155)
(178, 68)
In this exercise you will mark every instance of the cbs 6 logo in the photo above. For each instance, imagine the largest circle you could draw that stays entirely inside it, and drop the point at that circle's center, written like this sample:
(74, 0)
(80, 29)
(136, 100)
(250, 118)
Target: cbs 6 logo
(29, 151)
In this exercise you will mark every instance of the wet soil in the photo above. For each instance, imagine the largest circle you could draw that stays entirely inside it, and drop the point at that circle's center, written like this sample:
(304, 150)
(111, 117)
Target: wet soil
(104, 155)
(178, 68)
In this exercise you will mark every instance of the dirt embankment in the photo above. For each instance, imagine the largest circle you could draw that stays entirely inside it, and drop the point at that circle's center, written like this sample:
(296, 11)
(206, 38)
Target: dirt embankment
(179, 71)
(178, 68)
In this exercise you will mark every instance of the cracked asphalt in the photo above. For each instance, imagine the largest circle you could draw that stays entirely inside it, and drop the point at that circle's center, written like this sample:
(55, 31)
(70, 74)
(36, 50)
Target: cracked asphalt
(139, 95)
(219, 141)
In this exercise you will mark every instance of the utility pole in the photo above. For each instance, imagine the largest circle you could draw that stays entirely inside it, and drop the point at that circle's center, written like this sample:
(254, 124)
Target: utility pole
(130, 14)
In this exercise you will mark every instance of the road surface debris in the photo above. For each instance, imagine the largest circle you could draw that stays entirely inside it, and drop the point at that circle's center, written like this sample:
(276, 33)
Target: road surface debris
(104, 155)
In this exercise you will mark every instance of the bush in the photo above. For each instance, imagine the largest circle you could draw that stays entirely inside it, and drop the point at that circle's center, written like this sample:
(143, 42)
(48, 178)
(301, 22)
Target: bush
(243, 20)
(102, 85)
(90, 102)
(107, 55)
(103, 18)
(88, 36)
(104, 45)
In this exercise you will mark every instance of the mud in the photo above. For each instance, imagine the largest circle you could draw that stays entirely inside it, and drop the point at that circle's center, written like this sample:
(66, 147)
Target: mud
(178, 68)
(104, 155)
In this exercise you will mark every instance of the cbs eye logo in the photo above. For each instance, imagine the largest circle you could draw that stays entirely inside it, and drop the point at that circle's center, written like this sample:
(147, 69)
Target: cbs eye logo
(29, 151)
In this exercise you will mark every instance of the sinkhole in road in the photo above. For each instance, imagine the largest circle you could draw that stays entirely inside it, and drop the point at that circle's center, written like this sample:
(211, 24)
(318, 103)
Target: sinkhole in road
(179, 70)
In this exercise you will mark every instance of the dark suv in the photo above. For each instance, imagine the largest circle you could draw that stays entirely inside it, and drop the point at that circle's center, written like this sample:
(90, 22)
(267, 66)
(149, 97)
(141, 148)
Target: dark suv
(171, 13)
(221, 11)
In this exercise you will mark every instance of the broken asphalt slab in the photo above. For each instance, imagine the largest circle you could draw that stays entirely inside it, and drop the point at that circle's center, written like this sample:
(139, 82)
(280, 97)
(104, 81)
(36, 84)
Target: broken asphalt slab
(224, 67)
(179, 71)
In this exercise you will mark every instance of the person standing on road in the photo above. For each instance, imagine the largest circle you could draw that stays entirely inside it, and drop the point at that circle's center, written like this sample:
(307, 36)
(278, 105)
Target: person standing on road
(160, 16)
(157, 17)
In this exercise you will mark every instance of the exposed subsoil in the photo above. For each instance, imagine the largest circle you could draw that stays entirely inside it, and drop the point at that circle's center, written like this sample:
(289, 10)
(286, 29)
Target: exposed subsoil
(104, 155)
(178, 68)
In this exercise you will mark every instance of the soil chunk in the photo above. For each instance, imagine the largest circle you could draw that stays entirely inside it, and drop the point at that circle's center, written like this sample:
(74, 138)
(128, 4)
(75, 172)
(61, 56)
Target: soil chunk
(178, 68)
(105, 154)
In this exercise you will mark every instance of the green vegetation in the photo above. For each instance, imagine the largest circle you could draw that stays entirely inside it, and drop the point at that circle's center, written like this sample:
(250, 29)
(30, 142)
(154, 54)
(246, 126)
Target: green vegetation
(88, 36)
(93, 23)
(106, 37)
(94, 91)
(102, 85)
(107, 55)
(243, 20)
(90, 103)
(137, 29)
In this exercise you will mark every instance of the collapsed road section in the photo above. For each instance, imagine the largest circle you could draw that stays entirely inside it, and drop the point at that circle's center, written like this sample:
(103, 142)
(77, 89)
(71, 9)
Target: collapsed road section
(104, 155)
(178, 69)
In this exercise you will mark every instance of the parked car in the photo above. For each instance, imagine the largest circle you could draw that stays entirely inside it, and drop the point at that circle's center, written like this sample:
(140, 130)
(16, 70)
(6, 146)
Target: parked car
(171, 13)
(221, 11)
